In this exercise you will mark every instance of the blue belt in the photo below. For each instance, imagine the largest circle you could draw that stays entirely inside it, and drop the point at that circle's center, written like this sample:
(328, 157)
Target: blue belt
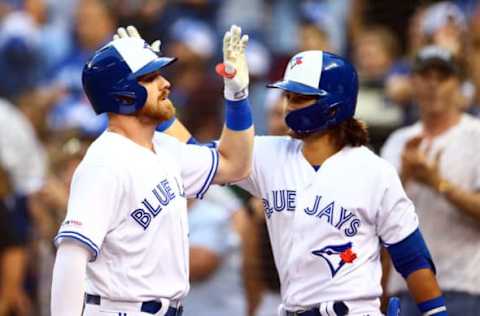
(150, 307)
(339, 307)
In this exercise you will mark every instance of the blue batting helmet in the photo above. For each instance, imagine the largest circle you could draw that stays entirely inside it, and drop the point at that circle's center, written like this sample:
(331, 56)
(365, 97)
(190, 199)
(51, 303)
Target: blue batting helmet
(331, 78)
(110, 77)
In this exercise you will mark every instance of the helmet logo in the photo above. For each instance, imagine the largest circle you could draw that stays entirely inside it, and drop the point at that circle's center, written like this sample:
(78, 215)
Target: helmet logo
(296, 61)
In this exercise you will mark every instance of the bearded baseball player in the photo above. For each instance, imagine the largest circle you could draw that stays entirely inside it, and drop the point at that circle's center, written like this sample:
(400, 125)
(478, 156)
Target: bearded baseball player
(331, 203)
(123, 247)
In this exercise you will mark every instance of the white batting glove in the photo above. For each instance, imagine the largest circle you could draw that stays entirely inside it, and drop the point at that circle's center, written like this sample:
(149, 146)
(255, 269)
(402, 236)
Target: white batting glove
(131, 31)
(234, 68)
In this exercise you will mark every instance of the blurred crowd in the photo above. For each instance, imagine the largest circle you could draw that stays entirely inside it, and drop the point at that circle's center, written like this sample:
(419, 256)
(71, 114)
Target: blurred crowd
(46, 124)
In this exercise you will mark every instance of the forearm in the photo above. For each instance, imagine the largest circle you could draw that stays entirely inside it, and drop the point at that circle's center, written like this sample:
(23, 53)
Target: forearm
(68, 283)
(424, 289)
(13, 266)
(465, 201)
(235, 149)
(236, 143)
(203, 262)
(423, 285)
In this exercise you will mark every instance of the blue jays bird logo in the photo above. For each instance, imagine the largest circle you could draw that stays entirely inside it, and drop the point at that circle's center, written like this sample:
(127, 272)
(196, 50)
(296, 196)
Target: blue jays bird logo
(296, 61)
(336, 256)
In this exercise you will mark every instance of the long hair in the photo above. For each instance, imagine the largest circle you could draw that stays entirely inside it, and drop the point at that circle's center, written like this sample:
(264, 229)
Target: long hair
(351, 132)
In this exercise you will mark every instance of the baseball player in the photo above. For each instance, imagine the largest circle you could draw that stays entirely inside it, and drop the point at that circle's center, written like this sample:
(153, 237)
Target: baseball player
(330, 203)
(124, 241)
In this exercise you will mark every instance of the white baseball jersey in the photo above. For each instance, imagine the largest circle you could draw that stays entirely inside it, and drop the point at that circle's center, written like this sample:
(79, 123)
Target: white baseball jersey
(128, 206)
(325, 226)
(452, 236)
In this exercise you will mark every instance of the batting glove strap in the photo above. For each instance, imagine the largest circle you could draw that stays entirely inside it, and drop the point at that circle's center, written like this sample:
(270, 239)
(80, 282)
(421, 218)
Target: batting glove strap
(434, 307)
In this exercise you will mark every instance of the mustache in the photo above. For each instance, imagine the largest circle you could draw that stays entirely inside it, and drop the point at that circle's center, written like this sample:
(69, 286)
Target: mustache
(164, 94)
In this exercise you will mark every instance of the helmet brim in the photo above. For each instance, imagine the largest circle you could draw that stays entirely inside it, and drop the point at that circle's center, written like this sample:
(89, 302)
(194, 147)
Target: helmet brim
(153, 66)
(296, 87)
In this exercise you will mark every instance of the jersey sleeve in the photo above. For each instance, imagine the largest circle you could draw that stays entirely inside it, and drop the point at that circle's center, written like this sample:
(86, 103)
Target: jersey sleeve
(199, 165)
(396, 217)
(95, 195)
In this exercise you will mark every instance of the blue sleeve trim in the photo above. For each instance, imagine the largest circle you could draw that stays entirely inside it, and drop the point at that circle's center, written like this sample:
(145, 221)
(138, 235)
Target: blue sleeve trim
(238, 116)
(192, 141)
(81, 238)
(411, 254)
(211, 174)
(434, 307)
(212, 144)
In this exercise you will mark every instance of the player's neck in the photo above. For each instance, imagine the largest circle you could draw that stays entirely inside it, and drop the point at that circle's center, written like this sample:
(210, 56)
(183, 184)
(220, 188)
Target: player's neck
(132, 128)
(436, 125)
(318, 148)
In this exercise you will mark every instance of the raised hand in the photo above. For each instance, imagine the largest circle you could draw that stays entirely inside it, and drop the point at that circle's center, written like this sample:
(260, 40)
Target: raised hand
(132, 32)
(234, 68)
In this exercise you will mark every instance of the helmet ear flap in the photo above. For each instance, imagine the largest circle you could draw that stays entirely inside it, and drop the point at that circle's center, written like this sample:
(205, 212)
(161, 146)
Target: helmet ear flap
(332, 112)
(130, 99)
(123, 99)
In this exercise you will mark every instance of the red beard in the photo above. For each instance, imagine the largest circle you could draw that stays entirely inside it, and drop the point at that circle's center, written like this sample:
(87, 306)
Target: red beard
(162, 111)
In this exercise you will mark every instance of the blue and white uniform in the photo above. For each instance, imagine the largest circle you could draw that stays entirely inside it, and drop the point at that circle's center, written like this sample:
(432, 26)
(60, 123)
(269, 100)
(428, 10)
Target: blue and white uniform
(128, 207)
(327, 226)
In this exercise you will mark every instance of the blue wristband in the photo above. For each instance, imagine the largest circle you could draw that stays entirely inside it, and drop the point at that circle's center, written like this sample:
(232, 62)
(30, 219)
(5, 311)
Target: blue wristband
(238, 116)
(434, 307)
(165, 124)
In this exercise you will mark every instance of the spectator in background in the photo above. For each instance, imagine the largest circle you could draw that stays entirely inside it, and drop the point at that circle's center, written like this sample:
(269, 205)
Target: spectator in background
(330, 17)
(259, 62)
(23, 161)
(149, 16)
(312, 34)
(155, 17)
(73, 110)
(442, 24)
(21, 60)
(251, 14)
(398, 90)
(49, 208)
(390, 14)
(473, 63)
(13, 297)
(195, 87)
(374, 54)
(438, 159)
(216, 225)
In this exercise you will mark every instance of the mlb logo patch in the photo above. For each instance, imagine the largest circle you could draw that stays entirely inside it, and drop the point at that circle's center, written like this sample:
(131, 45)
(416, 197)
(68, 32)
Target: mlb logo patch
(72, 222)
(298, 60)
